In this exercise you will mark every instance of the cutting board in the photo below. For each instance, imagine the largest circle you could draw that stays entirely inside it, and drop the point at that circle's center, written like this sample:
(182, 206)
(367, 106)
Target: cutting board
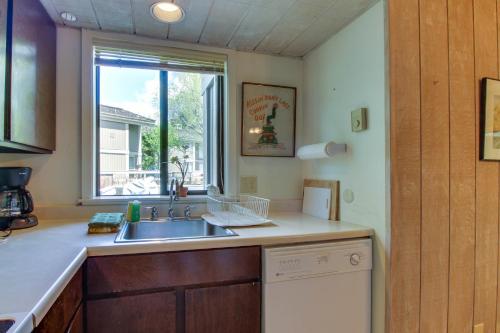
(323, 186)
(317, 202)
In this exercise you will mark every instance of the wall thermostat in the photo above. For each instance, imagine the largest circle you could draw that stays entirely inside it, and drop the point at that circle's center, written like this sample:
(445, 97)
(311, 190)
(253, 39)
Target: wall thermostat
(359, 120)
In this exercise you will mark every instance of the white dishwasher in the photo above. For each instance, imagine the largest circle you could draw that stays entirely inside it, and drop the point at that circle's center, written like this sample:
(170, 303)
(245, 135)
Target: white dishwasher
(318, 288)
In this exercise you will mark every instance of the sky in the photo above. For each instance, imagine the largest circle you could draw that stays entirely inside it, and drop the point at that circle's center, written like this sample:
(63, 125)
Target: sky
(131, 89)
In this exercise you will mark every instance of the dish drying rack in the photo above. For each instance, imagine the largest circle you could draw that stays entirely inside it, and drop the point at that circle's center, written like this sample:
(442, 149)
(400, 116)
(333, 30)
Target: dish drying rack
(246, 210)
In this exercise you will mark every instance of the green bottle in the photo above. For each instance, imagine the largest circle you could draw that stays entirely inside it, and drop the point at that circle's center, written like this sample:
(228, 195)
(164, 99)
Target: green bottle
(134, 211)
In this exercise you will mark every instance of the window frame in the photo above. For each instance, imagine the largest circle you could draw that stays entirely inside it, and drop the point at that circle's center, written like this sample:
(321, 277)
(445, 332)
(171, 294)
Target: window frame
(231, 116)
(163, 97)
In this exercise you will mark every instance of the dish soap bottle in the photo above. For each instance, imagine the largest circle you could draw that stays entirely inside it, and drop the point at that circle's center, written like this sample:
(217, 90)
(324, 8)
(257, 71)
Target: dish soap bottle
(134, 211)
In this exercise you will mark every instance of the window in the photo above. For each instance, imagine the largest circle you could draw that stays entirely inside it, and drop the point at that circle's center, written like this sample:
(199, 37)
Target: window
(155, 115)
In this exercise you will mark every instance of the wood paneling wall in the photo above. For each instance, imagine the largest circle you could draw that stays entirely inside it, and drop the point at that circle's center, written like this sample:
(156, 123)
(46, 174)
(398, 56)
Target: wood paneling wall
(444, 238)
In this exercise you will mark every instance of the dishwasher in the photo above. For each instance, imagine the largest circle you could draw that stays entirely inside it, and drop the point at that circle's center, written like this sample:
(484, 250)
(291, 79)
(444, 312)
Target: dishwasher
(318, 288)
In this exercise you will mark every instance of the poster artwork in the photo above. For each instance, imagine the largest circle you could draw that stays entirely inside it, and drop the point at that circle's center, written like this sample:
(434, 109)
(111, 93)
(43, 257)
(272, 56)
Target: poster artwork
(268, 120)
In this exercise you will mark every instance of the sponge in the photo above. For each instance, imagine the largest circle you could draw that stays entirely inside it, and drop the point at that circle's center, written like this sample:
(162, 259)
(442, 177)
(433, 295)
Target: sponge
(106, 222)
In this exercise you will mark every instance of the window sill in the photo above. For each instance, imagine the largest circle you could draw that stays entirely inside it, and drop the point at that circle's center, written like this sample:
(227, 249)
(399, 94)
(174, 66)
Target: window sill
(154, 199)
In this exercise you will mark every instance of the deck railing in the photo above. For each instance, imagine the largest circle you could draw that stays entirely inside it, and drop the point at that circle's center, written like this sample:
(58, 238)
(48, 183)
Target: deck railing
(142, 181)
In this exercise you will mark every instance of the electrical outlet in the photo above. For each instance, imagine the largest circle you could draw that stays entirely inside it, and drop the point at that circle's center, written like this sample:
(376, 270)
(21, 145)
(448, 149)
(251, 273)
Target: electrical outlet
(479, 328)
(248, 184)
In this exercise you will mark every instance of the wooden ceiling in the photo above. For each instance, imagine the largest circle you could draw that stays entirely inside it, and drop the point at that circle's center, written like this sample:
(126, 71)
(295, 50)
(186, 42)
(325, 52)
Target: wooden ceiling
(284, 27)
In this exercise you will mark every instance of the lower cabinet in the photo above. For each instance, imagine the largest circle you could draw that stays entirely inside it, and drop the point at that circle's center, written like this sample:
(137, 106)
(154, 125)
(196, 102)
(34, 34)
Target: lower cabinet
(155, 312)
(206, 291)
(65, 308)
(223, 309)
(76, 324)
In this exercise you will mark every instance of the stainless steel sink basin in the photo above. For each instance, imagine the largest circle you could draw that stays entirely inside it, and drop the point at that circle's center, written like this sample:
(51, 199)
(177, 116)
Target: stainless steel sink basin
(170, 230)
(5, 324)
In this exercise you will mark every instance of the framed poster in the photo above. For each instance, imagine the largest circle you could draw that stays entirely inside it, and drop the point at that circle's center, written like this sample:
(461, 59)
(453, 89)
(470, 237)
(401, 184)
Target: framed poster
(490, 120)
(268, 120)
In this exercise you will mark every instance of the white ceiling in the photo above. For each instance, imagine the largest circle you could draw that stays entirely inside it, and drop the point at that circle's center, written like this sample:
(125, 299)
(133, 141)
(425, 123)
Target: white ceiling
(285, 27)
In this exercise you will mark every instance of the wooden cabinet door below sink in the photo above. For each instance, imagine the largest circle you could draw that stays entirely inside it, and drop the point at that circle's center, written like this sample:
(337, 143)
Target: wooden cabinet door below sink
(224, 309)
(149, 313)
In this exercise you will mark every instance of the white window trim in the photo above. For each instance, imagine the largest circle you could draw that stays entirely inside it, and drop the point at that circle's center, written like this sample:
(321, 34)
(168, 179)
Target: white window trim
(231, 142)
(145, 200)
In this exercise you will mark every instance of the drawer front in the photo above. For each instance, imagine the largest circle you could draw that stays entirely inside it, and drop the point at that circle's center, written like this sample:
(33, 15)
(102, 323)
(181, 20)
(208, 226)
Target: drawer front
(62, 311)
(116, 274)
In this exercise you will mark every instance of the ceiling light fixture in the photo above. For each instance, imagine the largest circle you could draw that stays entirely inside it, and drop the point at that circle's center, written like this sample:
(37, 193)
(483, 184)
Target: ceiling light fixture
(167, 12)
(68, 17)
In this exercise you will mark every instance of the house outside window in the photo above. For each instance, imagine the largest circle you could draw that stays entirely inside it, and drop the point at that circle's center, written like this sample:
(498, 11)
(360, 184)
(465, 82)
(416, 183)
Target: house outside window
(121, 150)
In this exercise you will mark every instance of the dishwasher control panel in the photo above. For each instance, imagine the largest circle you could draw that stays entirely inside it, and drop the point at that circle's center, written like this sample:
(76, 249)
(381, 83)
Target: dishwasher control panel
(303, 261)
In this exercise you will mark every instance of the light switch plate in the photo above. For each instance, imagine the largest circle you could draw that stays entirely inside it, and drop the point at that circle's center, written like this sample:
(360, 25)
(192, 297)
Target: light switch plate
(359, 120)
(248, 184)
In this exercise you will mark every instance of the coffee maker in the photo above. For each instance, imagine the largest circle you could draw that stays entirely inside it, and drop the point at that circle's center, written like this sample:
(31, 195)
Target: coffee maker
(16, 203)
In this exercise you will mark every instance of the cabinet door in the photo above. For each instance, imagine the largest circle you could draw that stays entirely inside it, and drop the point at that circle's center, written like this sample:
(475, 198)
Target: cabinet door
(150, 313)
(224, 309)
(76, 324)
(3, 64)
(32, 76)
(59, 316)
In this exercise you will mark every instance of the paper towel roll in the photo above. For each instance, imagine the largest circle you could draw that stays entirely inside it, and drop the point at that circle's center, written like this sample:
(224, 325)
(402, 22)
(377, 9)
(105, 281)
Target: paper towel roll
(320, 150)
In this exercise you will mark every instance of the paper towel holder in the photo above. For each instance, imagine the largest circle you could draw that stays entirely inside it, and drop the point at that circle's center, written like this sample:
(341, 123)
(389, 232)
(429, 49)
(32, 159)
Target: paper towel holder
(321, 150)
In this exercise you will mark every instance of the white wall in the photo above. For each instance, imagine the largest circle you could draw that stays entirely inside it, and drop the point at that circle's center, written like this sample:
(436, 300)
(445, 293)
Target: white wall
(345, 73)
(56, 179)
(277, 177)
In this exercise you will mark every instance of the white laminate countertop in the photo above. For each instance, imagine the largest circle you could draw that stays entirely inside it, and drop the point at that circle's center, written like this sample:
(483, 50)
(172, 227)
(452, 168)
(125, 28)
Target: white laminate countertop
(37, 263)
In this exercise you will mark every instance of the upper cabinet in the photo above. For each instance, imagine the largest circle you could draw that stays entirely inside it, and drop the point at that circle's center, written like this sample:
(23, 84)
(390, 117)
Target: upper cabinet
(28, 54)
(3, 64)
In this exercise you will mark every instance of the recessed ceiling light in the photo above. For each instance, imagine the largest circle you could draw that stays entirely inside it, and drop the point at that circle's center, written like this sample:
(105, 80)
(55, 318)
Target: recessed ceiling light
(167, 12)
(68, 17)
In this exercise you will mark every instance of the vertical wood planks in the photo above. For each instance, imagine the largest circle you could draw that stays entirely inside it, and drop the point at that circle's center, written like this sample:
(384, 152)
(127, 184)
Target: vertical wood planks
(498, 269)
(444, 247)
(486, 64)
(404, 275)
(435, 165)
(462, 165)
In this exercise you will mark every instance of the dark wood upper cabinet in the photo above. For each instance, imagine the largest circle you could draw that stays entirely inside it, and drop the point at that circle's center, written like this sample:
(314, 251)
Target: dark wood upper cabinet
(33, 76)
(3, 63)
(28, 57)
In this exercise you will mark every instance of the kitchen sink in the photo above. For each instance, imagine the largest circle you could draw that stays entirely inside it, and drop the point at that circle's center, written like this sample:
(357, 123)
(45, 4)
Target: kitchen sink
(170, 230)
(5, 324)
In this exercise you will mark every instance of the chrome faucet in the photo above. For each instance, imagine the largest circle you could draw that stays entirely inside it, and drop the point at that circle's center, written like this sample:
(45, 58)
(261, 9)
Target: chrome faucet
(187, 212)
(154, 213)
(171, 207)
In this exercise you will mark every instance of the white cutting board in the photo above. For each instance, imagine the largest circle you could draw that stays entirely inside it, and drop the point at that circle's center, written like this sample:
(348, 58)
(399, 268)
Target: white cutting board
(317, 202)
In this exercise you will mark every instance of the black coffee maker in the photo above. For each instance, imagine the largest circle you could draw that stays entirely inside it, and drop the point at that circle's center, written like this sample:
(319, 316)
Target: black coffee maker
(16, 202)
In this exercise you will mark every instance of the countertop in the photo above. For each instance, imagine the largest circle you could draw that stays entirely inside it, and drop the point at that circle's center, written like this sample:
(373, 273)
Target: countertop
(37, 263)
